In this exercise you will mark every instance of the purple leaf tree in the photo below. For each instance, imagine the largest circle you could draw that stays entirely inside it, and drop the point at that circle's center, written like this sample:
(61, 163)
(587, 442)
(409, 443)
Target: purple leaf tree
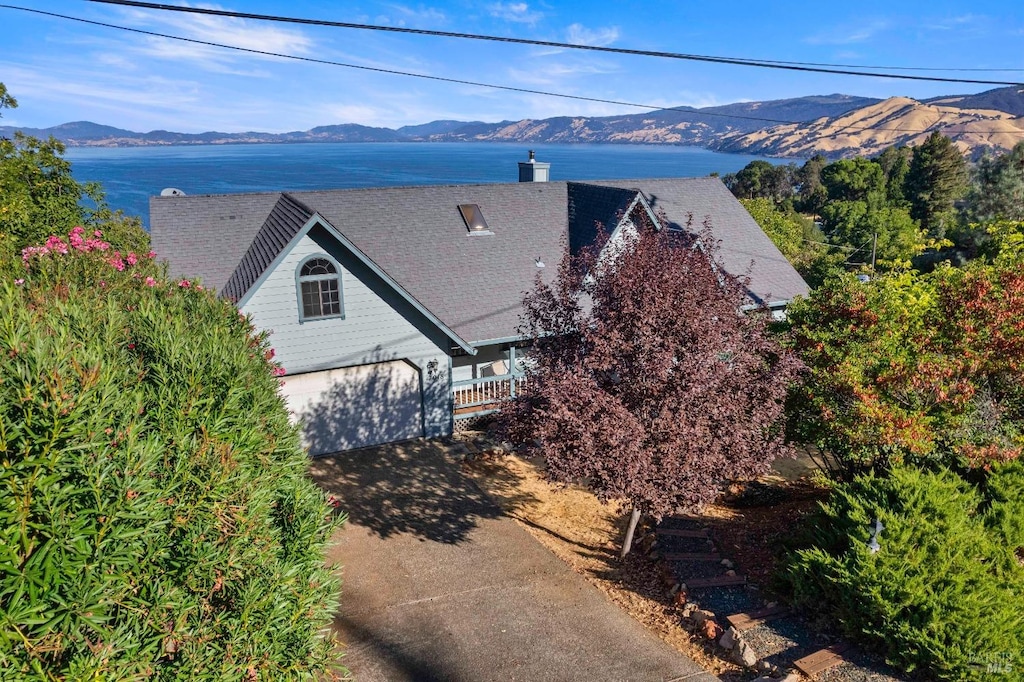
(648, 384)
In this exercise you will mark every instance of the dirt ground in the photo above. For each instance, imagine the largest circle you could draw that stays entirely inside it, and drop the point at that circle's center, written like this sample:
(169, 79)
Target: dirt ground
(586, 534)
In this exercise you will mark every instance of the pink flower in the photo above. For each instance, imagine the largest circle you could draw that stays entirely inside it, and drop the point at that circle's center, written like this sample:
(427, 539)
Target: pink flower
(117, 263)
(97, 234)
(132, 258)
(77, 231)
(103, 284)
(55, 243)
(151, 255)
(184, 284)
(269, 355)
(31, 251)
(19, 281)
(131, 346)
(150, 282)
(279, 371)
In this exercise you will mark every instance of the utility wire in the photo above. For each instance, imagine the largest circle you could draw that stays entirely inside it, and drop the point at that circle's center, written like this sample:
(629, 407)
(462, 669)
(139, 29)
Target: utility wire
(736, 61)
(458, 81)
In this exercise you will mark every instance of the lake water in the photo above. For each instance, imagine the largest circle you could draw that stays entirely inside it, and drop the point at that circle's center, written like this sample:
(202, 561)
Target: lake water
(131, 175)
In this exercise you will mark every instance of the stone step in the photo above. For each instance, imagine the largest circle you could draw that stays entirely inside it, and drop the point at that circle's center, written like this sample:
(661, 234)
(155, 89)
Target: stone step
(745, 621)
(821, 661)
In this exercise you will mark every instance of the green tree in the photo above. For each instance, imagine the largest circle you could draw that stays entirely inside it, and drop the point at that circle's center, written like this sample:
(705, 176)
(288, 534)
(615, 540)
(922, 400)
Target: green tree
(760, 179)
(796, 236)
(895, 164)
(854, 179)
(888, 232)
(913, 367)
(6, 100)
(998, 190)
(39, 196)
(936, 179)
(938, 589)
(811, 193)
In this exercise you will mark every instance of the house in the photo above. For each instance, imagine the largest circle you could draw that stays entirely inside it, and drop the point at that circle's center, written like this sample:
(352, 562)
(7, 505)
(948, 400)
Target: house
(394, 311)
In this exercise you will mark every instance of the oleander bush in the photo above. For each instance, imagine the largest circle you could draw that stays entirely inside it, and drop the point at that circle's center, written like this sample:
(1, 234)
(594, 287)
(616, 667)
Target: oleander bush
(156, 520)
(944, 592)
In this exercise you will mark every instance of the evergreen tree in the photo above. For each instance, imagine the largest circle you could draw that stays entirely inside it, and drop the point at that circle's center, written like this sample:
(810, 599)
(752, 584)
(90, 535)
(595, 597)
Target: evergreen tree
(937, 177)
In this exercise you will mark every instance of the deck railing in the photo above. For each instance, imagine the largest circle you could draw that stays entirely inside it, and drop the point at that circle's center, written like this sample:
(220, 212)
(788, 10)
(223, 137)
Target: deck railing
(478, 396)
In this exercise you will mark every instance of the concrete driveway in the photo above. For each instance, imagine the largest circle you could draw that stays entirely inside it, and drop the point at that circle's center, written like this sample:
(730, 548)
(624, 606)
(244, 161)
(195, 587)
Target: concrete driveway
(438, 585)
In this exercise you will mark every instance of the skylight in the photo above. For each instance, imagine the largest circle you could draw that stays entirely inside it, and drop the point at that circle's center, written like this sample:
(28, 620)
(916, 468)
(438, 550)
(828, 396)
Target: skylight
(474, 219)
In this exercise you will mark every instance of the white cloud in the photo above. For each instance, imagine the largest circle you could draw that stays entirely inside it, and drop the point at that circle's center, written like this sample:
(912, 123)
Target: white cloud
(578, 34)
(951, 23)
(558, 74)
(518, 12)
(850, 33)
(246, 34)
(418, 16)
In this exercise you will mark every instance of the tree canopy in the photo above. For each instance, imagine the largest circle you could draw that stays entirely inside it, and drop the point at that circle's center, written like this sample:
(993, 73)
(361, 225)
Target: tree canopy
(999, 190)
(651, 395)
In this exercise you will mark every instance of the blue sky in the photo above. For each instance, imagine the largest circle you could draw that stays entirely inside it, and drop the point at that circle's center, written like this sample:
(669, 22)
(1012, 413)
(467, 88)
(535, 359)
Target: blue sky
(63, 71)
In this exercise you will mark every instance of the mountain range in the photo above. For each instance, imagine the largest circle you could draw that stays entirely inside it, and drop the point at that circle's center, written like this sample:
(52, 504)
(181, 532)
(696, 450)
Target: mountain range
(835, 125)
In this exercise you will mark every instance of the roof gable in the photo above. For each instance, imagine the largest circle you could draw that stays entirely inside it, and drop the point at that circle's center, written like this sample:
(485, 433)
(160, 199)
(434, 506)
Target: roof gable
(285, 221)
(744, 250)
(593, 208)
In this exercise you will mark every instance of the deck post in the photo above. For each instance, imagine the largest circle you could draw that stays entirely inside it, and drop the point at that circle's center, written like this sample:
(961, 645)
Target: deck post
(512, 371)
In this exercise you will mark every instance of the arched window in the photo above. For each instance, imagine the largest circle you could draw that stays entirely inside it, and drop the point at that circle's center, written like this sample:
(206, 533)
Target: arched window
(319, 289)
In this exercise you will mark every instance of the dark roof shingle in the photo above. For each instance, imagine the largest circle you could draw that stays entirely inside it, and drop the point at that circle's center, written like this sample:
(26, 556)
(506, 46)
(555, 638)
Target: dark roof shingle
(285, 220)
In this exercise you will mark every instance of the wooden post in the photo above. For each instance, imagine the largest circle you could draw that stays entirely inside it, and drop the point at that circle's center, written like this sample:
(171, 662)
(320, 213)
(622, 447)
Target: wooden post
(512, 371)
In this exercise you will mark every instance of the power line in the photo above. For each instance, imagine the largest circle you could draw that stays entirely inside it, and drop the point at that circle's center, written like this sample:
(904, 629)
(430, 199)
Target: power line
(736, 61)
(457, 81)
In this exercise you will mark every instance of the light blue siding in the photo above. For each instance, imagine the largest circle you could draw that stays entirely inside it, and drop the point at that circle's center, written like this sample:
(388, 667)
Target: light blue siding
(377, 327)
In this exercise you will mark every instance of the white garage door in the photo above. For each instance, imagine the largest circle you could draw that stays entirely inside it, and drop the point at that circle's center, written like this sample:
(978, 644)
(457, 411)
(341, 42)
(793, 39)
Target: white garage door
(354, 407)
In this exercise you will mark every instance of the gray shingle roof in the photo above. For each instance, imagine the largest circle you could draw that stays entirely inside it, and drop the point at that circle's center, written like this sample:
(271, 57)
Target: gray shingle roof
(473, 283)
(206, 236)
(285, 220)
(744, 248)
(593, 205)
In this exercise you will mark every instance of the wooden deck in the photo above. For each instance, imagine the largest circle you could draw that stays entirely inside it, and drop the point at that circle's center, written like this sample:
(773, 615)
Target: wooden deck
(484, 395)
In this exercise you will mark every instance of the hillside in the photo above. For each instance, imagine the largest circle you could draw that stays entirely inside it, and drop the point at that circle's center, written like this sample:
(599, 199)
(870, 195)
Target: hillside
(870, 129)
(835, 125)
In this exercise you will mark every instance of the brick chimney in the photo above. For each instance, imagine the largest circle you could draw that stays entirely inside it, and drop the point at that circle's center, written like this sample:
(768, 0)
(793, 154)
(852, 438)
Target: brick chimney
(533, 170)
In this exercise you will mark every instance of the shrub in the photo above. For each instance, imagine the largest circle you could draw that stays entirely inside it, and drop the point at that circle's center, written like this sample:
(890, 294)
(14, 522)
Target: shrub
(945, 591)
(913, 368)
(156, 520)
